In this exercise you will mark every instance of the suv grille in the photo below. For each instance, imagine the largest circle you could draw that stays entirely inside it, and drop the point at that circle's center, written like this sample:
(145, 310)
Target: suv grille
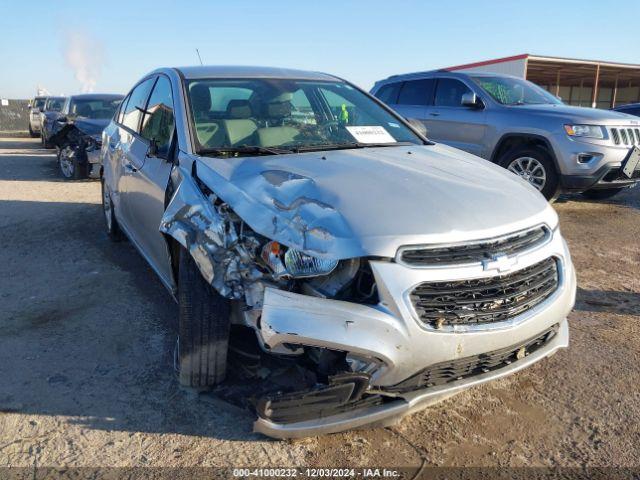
(451, 371)
(485, 300)
(625, 135)
(476, 252)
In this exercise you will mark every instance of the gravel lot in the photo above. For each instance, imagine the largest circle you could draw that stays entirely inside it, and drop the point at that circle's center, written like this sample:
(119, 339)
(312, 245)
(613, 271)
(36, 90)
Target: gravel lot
(86, 356)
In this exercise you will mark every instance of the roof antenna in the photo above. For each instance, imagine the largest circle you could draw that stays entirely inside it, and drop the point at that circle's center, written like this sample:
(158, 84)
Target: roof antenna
(199, 56)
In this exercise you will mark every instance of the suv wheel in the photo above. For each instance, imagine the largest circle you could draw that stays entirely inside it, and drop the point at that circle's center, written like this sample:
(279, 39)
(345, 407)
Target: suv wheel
(204, 326)
(534, 166)
(113, 229)
(602, 193)
(31, 132)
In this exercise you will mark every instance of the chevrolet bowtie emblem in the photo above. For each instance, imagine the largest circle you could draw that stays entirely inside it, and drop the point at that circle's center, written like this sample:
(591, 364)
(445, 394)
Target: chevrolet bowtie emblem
(500, 262)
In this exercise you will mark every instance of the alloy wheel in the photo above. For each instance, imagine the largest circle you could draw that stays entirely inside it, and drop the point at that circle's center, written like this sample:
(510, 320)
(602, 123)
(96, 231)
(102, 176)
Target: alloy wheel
(531, 170)
(66, 163)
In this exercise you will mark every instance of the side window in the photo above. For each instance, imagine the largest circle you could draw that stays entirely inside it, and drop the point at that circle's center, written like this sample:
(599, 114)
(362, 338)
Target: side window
(123, 105)
(449, 92)
(389, 93)
(65, 107)
(301, 109)
(158, 121)
(416, 92)
(135, 105)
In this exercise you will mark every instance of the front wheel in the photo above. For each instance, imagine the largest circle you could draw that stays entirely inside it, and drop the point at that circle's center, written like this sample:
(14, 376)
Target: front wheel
(602, 193)
(533, 165)
(204, 326)
(70, 167)
(32, 133)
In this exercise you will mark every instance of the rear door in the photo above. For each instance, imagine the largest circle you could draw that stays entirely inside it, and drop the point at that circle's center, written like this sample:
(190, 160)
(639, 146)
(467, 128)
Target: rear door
(452, 123)
(414, 98)
(147, 184)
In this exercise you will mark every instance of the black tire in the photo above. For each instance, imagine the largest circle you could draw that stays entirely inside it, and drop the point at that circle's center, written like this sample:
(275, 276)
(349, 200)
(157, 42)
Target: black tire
(113, 229)
(602, 193)
(44, 142)
(32, 133)
(75, 170)
(551, 187)
(204, 327)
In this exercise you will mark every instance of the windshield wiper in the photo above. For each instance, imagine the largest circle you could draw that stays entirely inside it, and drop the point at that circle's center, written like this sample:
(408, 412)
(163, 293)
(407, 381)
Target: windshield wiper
(346, 146)
(243, 150)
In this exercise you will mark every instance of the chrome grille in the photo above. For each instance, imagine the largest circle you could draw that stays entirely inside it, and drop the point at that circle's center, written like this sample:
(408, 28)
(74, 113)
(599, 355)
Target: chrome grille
(625, 135)
(475, 252)
(485, 300)
(459, 369)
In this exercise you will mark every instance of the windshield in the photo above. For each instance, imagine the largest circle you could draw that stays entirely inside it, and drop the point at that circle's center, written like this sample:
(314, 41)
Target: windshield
(290, 115)
(54, 104)
(514, 91)
(39, 102)
(98, 109)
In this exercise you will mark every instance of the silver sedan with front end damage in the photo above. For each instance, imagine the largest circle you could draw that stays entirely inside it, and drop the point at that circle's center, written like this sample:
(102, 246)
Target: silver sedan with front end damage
(322, 248)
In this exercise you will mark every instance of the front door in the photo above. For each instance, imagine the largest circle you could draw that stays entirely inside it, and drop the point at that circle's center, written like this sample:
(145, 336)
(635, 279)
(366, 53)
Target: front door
(452, 123)
(147, 182)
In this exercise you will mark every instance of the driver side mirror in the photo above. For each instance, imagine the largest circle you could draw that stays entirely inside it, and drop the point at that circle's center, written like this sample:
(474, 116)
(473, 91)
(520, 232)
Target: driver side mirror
(418, 126)
(470, 99)
(61, 119)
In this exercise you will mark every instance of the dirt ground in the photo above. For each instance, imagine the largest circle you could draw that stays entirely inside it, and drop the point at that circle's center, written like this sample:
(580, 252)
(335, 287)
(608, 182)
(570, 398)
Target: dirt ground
(86, 349)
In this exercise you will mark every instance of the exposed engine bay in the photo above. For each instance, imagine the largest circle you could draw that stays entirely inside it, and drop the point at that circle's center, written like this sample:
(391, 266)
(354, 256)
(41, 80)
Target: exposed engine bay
(241, 264)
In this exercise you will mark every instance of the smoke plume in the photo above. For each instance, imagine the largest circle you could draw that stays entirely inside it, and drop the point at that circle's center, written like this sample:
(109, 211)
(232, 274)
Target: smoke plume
(85, 54)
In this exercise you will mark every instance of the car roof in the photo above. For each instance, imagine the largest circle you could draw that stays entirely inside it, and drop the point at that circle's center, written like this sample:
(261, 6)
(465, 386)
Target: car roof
(432, 73)
(225, 71)
(97, 96)
(627, 105)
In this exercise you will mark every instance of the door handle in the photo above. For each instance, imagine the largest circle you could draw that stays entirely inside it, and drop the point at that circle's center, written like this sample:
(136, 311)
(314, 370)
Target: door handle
(130, 168)
(434, 114)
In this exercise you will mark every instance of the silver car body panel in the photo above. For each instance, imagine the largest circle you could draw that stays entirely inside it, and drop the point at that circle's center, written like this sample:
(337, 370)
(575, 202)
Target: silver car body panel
(343, 204)
(424, 195)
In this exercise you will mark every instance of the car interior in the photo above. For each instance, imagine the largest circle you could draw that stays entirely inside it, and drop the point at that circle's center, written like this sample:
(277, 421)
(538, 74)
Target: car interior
(244, 121)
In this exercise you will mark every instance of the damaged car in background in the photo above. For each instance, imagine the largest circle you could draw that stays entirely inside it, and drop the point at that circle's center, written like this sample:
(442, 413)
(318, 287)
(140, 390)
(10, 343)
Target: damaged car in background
(48, 116)
(77, 133)
(332, 266)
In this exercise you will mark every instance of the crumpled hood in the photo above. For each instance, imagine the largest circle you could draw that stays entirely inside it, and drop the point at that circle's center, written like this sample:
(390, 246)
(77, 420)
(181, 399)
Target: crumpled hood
(369, 202)
(91, 126)
(594, 116)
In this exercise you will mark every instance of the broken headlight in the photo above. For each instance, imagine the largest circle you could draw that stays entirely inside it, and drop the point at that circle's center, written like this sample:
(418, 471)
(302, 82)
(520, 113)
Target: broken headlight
(285, 261)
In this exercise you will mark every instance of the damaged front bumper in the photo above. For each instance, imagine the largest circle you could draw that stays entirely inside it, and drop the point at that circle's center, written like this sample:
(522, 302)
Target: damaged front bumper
(404, 348)
(391, 411)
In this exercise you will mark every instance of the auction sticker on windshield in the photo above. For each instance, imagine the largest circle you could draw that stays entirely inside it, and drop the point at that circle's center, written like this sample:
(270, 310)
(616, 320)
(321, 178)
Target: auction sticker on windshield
(371, 134)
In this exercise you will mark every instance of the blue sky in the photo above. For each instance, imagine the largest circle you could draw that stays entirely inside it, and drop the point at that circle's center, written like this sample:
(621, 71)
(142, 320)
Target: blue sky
(360, 40)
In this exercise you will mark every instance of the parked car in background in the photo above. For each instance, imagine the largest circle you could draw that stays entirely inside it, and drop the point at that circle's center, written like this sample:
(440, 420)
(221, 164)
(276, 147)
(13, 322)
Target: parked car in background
(78, 133)
(521, 127)
(629, 109)
(50, 112)
(35, 108)
(314, 223)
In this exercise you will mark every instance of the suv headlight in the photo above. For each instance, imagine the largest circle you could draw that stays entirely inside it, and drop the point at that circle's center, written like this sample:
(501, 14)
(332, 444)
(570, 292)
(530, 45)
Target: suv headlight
(589, 131)
(285, 261)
